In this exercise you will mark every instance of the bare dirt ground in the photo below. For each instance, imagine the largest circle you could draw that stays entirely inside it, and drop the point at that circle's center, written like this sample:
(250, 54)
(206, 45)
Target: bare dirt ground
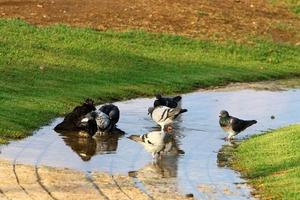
(238, 20)
(278, 85)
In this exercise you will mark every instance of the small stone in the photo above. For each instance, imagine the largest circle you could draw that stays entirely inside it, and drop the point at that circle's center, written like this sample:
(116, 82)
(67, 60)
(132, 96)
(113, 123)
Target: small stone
(190, 195)
(132, 174)
(39, 6)
(272, 117)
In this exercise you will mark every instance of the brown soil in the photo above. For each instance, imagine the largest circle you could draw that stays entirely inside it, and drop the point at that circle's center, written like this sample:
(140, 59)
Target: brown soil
(238, 20)
(278, 85)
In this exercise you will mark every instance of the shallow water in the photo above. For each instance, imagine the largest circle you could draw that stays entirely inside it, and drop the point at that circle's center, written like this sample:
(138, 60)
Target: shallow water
(197, 133)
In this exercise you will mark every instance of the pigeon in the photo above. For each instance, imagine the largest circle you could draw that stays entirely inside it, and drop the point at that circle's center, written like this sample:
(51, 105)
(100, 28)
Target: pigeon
(112, 111)
(164, 115)
(72, 121)
(233, 125)
(102, 121)
(154, 142)
(97, 121)
(171, 102)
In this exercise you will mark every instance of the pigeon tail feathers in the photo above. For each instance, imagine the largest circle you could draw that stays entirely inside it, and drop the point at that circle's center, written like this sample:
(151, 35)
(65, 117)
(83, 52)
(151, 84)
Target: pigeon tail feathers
(251, 122)
(183, 111)
(135, 138)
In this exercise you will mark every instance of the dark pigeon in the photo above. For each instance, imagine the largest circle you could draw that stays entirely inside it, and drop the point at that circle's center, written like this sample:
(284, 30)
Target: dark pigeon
(72, 121)
(112, 111)
(171, 102)
(233, 125)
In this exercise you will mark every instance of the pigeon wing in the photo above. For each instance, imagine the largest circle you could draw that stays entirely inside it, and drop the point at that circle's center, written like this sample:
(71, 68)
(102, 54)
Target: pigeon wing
(174, 112)
(160, 113)
(112, 111)
(239, 125)
(114, 115)
(153, 138)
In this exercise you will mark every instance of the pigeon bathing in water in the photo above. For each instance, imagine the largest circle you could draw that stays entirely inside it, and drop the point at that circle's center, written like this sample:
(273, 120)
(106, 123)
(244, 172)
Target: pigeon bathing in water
(171, 102)
(233, 125)
(163, 115)
(72, 121)
(104, 120)
(112, 111)
(97, 121)
(154, 142)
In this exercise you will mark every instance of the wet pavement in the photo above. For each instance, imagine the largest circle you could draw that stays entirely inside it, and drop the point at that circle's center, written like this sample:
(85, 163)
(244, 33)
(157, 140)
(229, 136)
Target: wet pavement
(196, 132)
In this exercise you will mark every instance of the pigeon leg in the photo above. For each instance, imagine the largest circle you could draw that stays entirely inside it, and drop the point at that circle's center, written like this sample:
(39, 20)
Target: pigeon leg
(155, 158)
(168, 128)
(160, 157)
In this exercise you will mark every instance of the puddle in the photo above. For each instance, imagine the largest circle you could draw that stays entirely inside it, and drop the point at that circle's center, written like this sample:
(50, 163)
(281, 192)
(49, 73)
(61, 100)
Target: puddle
(197, 134)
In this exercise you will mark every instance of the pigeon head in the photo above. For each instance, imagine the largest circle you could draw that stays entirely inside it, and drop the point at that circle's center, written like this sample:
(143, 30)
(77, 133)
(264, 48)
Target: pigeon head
(158, 96)
(224, 113)
(150, 110)
(89, 105)
(159, 102)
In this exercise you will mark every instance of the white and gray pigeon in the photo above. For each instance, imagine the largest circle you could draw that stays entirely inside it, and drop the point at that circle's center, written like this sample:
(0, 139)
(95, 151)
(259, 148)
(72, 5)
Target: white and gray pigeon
(233, 125)
(97, 121)
(164, 115)
(154, 142)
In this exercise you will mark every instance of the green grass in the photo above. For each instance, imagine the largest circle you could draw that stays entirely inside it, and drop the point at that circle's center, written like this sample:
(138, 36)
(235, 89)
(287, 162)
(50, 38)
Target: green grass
(271, 162)
(293, 5)
(45, 72)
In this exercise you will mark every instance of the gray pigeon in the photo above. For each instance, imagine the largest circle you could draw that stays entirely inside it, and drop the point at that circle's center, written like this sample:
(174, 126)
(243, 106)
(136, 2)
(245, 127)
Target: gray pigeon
(164, 115)
(97, 121)
(154, 142)
(233, 125)
(112, 111)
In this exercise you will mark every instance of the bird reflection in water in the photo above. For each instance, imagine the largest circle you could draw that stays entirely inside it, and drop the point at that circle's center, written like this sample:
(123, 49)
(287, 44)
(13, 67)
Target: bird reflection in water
(160, 177)
(86, 147)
